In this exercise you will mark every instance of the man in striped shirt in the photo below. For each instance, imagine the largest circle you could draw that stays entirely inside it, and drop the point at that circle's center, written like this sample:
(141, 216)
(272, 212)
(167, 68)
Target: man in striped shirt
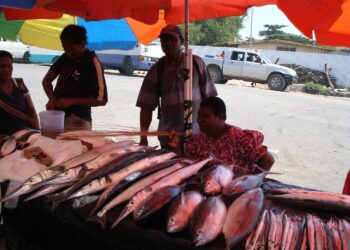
(164, 85)
(81, 83)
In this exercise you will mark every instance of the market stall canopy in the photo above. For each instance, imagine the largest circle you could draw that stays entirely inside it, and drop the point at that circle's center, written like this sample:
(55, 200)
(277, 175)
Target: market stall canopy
(327, 20)
(107, 34)
(148, 11)
(143, 22)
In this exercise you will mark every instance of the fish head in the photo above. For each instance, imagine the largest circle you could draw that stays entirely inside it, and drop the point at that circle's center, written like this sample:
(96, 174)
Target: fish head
(211, 187)
(65, 176)
(138, 212)
(198, 238)
(23, 189)
(87, 189)
(33, 180)
(176, 222)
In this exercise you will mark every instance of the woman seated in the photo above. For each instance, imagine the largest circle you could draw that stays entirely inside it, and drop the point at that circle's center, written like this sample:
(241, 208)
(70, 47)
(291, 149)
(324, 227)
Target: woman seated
(230, 144)
(16, 107)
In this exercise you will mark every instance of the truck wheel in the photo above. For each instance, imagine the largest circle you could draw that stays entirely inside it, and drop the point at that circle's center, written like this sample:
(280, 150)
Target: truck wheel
(215, 74)
(276, 82)
(26, 57)
(128, 68)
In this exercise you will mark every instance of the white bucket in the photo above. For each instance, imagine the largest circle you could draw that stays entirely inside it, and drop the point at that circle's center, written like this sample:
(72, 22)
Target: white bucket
(51, 122)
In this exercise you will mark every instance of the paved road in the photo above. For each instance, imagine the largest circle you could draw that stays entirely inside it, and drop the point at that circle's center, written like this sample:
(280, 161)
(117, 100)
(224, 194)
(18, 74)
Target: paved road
(310, 135)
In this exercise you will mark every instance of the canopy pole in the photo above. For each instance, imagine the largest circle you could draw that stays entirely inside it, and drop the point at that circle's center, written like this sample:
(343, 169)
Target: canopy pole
(188, 82)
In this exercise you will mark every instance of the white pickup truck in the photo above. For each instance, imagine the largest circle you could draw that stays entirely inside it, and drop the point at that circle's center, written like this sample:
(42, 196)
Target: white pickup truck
(250, 66)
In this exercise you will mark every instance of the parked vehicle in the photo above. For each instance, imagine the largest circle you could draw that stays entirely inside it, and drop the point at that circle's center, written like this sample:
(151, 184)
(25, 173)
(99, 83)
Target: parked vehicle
(45, 56)
(141, 57)
(250, 66)
(19, 51)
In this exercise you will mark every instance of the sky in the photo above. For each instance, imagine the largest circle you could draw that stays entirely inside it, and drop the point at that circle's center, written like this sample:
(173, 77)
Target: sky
(269, 14)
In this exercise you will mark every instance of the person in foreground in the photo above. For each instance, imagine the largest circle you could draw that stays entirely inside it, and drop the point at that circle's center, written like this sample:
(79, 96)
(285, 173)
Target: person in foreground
(81, 83)
(165, 81)
(16, 107)
(230, 144)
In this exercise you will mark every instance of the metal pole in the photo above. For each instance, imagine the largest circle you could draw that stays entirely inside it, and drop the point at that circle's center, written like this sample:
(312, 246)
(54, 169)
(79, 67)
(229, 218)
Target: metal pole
(251, 27)
(188, 82)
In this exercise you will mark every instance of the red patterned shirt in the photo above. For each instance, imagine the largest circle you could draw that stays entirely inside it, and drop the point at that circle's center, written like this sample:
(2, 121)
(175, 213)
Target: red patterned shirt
(241, 148)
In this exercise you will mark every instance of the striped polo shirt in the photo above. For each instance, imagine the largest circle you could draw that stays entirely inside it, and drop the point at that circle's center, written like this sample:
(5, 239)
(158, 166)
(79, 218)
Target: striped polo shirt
(171, 92)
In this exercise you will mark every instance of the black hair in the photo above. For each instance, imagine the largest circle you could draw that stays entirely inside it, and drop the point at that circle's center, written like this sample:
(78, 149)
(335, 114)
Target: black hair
(4, 53)
(74, 33)
(216, 104)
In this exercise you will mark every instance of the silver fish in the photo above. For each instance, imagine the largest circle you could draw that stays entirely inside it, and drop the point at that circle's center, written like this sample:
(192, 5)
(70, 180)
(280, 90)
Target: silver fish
(172, 179)
(138, 186)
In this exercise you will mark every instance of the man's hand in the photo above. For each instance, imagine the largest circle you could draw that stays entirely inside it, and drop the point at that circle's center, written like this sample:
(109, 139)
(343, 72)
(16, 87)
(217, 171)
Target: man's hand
(143, 141)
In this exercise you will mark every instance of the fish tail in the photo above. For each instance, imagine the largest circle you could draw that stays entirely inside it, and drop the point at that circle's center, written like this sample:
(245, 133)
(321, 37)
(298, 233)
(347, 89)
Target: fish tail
(212, 156)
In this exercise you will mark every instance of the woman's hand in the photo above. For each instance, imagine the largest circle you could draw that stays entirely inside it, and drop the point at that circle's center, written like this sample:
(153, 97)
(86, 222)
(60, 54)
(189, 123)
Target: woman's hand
(51, 104)
(64, 103)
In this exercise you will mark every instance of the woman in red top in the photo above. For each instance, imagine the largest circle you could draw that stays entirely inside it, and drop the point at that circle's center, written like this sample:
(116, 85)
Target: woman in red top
(230, 144)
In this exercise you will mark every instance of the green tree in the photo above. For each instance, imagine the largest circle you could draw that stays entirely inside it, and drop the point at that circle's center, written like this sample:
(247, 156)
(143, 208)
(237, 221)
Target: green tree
(273, 32)
(215, 31)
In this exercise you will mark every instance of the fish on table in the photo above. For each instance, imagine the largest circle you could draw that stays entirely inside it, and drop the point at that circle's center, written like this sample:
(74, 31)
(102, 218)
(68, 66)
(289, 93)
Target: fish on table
(181, 209)
(156, 201)
(242, 216)
(174, 178)
(207, 220)
(216, 178)
(137, 187)
(39, 179)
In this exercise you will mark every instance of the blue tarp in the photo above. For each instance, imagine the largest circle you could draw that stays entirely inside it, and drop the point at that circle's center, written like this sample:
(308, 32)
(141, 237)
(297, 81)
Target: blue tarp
(109, 34)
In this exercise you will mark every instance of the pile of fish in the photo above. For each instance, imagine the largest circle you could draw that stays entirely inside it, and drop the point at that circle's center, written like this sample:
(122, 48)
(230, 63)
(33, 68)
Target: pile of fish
(141, 181)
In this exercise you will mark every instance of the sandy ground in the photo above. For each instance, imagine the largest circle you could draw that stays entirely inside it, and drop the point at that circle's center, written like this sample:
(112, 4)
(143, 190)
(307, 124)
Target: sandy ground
(309, 135)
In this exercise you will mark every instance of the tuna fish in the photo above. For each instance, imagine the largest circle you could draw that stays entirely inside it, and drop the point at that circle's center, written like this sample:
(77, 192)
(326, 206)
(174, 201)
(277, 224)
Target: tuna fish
(181, 209)
(156, 201)
(207, 220)
(215, 178)
(243, 183)
(242, 216)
